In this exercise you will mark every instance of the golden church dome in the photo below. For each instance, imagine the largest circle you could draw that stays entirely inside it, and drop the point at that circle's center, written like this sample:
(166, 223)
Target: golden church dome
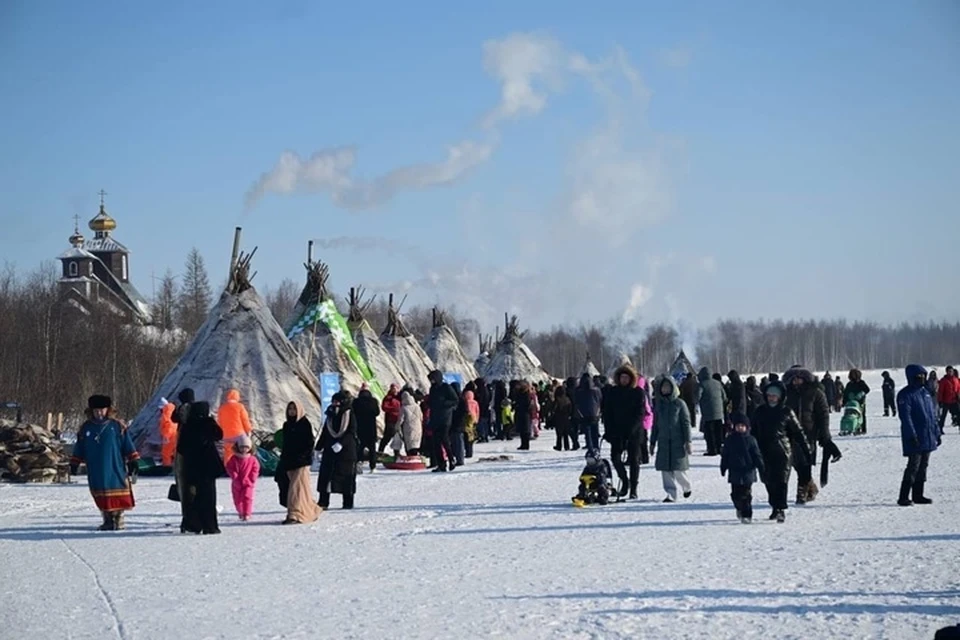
(102, 222)
(76, 240)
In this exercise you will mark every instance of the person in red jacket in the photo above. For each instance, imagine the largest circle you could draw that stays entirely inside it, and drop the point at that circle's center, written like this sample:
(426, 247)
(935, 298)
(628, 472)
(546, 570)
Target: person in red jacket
(391, 416)
(948, 396)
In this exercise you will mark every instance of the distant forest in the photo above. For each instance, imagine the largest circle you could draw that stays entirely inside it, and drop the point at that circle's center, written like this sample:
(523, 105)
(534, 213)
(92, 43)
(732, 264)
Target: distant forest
(52, 357)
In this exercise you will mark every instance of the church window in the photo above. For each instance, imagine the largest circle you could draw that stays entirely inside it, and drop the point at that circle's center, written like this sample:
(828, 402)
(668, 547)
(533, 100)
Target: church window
(73, 270)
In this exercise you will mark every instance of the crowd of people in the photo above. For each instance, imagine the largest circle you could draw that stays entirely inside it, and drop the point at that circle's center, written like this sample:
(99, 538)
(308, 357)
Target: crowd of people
(762, 431)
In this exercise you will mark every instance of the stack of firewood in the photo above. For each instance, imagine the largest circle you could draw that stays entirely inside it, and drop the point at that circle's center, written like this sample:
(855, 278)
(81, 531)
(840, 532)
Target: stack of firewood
(30, 453)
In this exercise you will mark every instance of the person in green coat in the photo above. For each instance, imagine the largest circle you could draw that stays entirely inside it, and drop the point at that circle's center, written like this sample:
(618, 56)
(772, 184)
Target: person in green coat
(670, 439)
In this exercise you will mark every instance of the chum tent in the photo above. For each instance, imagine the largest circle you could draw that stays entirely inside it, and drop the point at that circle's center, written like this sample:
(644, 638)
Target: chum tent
(444, 350)
(322, 338)
(240, 346)
(410, 357)
(513, 360)
(381, 363)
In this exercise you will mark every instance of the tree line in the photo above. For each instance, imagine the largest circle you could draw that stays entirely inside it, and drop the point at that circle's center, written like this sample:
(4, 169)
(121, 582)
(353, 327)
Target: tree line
(52, 355)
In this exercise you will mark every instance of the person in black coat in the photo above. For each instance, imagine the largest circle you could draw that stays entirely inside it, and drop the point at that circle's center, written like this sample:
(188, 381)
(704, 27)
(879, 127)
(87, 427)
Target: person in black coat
(367, 409)
(809, 404)
(200, 468)
(889, 388)
(829, 390)
(484, 398)
(587, 406)
(624, 408)
(339, 444)
(740, 456)
(736, 394)
(523, 414)
(443, 403)
(781, 440)
(570, 384)
(754, 395)
(857, 388)
(561, 417)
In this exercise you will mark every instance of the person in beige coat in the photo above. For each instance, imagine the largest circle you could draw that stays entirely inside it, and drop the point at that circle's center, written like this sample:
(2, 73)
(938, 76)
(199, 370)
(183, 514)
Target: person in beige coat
(410, 423)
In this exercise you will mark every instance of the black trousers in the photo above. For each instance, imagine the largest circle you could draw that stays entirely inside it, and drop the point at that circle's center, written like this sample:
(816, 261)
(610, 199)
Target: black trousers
(441, 445)
(200, 507)
(889, 404)
(804, 474)
(632, 447)
(953, 410)
(713, 433)
(324, 500)
(368, 452)
(563, 439)
(389, 431)
(777, 495)
(524, 439)
(742, 496)
(915, 475)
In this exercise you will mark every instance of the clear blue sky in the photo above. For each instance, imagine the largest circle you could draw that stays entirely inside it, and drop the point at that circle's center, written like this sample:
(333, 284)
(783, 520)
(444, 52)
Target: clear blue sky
(700, 159)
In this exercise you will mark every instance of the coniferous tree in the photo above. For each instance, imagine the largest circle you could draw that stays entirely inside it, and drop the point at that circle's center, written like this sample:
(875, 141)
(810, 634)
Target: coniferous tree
(195, 293)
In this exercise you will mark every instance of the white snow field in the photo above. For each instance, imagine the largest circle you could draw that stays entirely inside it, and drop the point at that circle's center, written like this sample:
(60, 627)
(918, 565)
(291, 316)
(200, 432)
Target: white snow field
(497, 550)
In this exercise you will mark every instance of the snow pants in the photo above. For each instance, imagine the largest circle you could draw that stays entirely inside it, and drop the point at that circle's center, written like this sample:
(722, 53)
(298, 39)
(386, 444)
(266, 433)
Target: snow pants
(673, 478)
(742, 496)
(713, 434)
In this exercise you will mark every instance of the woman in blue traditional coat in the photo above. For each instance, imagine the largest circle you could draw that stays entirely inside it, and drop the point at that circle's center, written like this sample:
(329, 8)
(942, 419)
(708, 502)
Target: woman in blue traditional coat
(107, 449)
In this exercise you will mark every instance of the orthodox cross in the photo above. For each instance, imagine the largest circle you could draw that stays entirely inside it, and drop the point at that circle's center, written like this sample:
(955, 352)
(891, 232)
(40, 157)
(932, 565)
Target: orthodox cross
(102, 193)
(76, 222)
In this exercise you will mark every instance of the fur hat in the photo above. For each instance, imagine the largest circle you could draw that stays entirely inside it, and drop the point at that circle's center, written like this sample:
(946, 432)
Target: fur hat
(243, 441)
(99, 402)
(163, 402)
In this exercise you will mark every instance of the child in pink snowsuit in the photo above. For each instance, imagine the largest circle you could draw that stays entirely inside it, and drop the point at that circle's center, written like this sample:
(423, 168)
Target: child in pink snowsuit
(243, 468)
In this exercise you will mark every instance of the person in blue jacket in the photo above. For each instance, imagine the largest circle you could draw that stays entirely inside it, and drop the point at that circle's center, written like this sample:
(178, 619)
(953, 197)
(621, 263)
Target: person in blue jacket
(919, 433)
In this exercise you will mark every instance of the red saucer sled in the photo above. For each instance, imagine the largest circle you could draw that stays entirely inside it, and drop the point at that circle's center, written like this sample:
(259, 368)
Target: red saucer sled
(404, 463)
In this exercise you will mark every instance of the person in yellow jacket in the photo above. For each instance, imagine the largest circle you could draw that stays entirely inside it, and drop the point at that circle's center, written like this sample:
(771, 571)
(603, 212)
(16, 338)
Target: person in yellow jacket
(233, 419)
(168, 433)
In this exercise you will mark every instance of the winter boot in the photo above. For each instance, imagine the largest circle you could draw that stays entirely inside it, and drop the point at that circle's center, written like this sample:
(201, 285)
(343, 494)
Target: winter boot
(918, 497)
(633, 490)
(812, 491)
(781, 516)
(745, 520)
(687, 494)
(107, 521)
(348, 501)
(324, 501)
(624, 486)
(773, 514)
(118, 523)
(904, 500)
(801, 494)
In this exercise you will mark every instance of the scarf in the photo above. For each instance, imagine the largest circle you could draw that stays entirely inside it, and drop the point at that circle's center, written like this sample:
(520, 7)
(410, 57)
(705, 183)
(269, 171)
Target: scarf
(344, 423)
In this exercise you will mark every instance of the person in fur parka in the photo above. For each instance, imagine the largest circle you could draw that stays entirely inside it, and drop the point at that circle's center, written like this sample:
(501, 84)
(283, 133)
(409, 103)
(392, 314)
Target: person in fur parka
(338, 442)
(624, 409)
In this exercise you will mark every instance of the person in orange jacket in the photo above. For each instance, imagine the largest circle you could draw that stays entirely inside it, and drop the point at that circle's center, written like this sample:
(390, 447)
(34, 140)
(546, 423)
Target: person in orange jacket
(233, 419)
(168, 433)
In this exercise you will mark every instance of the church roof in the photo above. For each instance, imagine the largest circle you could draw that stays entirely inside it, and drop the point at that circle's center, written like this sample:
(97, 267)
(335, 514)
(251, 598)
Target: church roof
(104, 245)
(76, 253)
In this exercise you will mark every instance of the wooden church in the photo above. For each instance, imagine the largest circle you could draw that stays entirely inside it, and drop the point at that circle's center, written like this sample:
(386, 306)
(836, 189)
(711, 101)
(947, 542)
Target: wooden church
(96, 272)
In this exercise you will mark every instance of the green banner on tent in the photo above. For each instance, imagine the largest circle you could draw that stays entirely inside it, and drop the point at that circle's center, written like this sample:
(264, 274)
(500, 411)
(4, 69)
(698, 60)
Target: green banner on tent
(327, 313)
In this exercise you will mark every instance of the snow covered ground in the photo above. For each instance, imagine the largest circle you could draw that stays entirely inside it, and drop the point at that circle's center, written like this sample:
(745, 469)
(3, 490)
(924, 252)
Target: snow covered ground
(495, 549)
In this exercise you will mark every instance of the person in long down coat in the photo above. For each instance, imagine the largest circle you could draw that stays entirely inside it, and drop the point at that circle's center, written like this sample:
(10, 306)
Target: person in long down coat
(111, 458)
(690, 392)
(919, 434)
(713, 404)
(670, 441)
(368, 409)
(338, 442)
(809, 404)
(561, 418)
(624, 408)
(523, 414)
(780, 437)
(754, 396)
(296, 455)
(411, 423)
(736, 394)
(202, 466)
